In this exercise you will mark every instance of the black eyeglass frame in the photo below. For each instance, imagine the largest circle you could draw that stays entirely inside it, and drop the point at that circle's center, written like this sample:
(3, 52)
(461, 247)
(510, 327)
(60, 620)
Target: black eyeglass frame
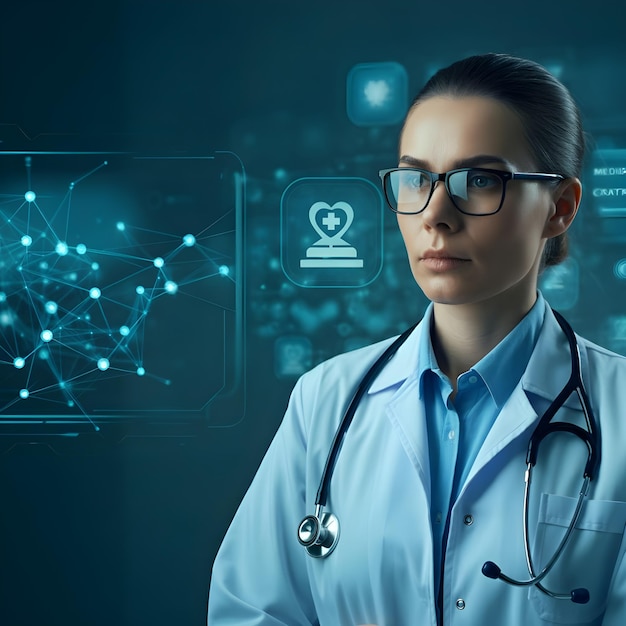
(435, 177)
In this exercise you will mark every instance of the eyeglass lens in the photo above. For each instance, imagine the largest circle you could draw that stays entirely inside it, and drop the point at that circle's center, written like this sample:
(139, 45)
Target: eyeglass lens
(473, 191)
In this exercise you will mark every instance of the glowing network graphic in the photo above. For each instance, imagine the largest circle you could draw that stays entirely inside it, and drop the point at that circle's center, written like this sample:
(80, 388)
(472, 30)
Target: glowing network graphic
(82, 306)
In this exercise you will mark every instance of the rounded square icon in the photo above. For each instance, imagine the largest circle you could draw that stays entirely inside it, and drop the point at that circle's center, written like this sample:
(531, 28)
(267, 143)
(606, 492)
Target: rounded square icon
(377, 94)
(331, 232)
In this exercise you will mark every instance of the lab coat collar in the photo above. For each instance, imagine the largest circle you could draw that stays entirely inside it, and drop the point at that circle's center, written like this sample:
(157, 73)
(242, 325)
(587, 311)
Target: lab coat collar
(548, 369)
(403, 364)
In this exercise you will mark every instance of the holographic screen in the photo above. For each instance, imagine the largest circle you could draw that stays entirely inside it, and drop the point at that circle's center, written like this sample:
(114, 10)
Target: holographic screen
(121, 290)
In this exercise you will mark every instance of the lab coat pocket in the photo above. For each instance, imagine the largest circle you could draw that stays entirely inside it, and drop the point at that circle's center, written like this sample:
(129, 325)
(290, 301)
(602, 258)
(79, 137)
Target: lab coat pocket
(588, 560)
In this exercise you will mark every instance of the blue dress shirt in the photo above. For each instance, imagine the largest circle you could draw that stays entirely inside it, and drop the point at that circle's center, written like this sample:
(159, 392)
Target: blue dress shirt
(457, 428)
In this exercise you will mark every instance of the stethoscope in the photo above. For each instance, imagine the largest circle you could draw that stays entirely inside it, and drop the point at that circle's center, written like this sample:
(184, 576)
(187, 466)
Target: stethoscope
(319, 533)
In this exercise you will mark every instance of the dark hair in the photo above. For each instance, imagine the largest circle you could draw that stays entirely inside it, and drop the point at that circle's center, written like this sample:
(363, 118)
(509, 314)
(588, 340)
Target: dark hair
(549, 114)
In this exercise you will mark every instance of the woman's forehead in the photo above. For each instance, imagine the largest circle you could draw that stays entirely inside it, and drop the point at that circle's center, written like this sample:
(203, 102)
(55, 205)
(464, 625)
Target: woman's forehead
(444, 130)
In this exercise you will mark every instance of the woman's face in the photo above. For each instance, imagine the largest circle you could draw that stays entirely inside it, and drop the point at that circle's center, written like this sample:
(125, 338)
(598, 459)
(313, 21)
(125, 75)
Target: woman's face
(463, 259)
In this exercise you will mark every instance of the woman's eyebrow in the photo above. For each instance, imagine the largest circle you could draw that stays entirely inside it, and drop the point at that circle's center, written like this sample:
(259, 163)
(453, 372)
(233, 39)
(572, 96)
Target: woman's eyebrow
(479, 159)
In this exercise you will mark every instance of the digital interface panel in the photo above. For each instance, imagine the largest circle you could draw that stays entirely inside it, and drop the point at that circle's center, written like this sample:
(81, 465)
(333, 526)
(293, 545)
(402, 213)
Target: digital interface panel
(121, 291)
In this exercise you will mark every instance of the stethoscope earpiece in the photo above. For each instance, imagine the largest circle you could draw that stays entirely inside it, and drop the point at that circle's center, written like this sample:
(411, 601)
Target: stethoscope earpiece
(319, 533)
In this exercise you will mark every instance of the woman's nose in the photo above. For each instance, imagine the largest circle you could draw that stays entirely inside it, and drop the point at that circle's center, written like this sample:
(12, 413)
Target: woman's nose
(440, 211)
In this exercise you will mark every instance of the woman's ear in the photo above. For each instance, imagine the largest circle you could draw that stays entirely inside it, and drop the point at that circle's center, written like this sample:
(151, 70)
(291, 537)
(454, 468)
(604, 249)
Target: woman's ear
(566, 198)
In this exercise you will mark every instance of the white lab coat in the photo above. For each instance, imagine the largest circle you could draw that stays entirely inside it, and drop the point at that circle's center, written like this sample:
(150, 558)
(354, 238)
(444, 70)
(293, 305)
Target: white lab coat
(381, 571)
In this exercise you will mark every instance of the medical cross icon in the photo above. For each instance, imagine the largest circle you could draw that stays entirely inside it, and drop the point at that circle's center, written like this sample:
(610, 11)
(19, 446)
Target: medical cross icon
(331, 221)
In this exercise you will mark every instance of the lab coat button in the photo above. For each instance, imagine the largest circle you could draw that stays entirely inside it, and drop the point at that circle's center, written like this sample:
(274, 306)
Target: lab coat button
(468, 520)
(460, 604)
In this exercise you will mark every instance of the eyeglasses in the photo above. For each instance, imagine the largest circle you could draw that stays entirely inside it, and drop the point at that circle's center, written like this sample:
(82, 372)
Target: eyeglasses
(473, 190)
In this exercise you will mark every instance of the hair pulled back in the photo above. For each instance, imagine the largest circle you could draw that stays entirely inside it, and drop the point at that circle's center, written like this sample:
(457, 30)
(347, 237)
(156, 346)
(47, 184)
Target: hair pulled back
(549, 115)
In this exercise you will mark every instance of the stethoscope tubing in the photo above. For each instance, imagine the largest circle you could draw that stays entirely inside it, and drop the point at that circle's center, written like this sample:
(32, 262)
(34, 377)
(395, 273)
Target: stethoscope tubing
(311, 528)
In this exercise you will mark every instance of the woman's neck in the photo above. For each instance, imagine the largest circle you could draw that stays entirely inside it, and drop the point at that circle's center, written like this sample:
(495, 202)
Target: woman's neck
(463, 334)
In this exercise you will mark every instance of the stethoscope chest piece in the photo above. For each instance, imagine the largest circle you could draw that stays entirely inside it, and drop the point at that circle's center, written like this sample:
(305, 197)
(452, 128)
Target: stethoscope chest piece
(319, 533)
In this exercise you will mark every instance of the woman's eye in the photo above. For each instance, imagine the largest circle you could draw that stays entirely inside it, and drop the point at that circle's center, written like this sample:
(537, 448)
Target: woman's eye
(482, 180)
(415, 180)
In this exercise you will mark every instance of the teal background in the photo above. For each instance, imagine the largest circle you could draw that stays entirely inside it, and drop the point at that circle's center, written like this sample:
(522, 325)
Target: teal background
(126, 533)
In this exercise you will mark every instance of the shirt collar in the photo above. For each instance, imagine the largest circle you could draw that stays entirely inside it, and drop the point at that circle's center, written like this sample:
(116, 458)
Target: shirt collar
(503, 367)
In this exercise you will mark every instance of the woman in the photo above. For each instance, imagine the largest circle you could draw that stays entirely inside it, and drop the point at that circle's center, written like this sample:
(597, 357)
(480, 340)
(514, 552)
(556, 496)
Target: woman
(428, 485)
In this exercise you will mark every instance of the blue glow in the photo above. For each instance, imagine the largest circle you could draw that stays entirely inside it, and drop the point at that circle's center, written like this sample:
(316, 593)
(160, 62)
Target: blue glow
(61, 248)
(95, 266)
(103, 364)
(24, 394)
(121, 226)
(141, 371)
(140, 290)
(81, 248)
(171, 287)
(26, 240)
(189, 240)
(43, 354)
(51, 307)
(30, 196)
(19, 362)
(158, 262)
(46, 335)
(377, 92)
(124, 331)
(3, 296)
(224, 270)
(95, 293)
(620, 269)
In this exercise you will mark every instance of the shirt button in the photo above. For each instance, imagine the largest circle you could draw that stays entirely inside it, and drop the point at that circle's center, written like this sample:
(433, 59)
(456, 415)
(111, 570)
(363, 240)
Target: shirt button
(460, 604)
(451, 435)
(473, 379)
(468, 520)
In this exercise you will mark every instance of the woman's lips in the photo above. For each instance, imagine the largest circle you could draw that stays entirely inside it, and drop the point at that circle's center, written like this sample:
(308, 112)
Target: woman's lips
(441, 261)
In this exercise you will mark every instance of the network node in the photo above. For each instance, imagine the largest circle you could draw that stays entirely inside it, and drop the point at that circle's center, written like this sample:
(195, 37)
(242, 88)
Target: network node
(121, 226)
(124, 331)
(140, 290)
(27, 241)
(61, 248)
(171, 287)
(103, 364)
(30, 196)
(19, 362)
(158, 262)
(3, 296)
(141, 371)
(95, 266)
(81, 248)
(94, 293)
(46, 335)
(51, 307)
(189, 240)
(24, 394)
(43, 354)
(224, 270)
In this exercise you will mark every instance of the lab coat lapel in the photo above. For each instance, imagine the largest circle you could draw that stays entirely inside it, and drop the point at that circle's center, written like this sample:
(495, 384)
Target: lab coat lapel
(547, 372)
(404, 410)
(407, 416)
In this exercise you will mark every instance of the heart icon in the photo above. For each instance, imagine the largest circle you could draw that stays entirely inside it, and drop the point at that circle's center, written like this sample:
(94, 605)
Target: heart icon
(330, 221)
